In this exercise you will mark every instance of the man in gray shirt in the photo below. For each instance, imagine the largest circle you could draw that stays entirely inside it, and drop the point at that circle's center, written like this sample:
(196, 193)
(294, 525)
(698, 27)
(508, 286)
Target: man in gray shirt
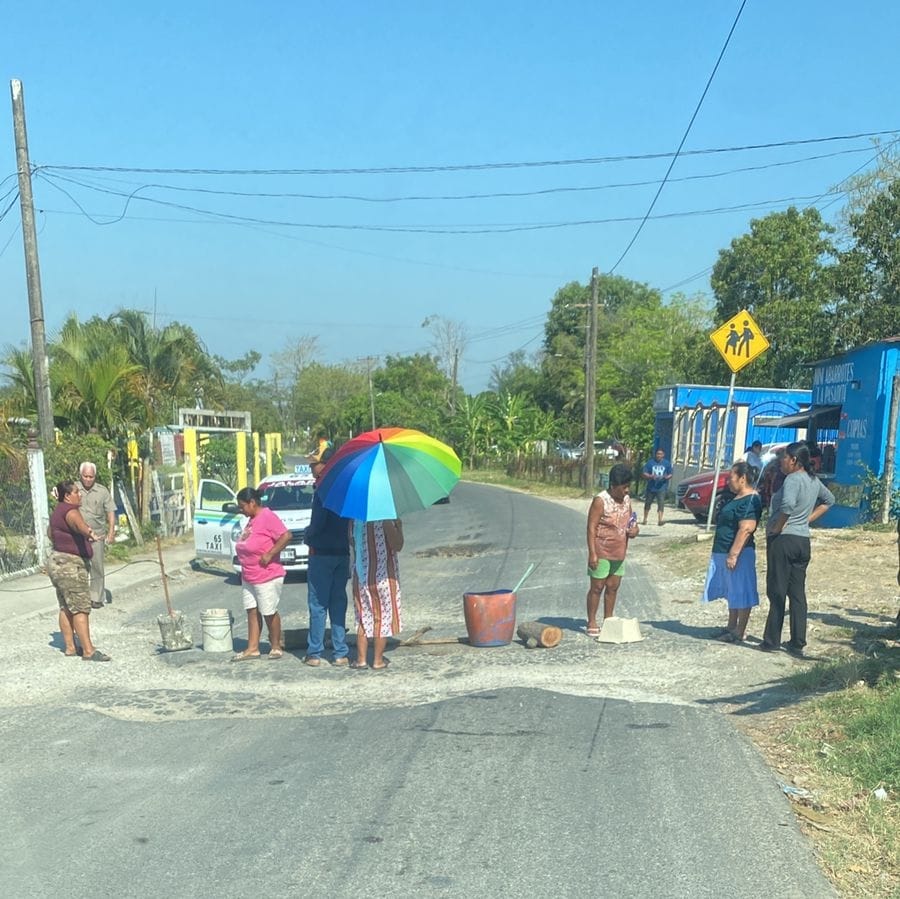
(99, 511)
(800, 500)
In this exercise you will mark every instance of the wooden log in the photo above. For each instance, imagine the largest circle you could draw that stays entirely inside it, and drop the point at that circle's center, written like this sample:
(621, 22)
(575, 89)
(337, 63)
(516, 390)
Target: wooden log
(546, 635)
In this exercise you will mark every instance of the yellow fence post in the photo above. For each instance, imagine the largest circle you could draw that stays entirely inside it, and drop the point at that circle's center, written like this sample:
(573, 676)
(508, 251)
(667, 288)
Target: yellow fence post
(241, 459)
(256, 477)
(270, 446)
(190, 450)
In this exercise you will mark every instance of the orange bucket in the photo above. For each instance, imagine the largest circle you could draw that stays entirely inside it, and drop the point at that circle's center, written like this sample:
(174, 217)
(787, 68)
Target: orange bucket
(490, 617)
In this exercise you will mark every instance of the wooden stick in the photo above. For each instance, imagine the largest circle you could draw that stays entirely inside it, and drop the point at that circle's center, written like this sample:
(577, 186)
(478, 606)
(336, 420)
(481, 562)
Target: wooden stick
(165, 580)
(415, 638)
(129, 512)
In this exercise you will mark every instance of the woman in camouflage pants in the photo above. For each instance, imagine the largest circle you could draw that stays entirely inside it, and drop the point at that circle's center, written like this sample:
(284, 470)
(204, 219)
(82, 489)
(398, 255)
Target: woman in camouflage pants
(69, 570)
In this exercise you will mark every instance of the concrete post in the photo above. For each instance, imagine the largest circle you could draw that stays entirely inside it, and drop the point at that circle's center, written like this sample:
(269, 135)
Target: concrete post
(37, 477)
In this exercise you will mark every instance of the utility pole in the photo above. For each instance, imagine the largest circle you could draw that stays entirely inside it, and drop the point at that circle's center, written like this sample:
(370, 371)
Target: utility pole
(590, 385)
(371, 389)
(32, 270)
(454, 378)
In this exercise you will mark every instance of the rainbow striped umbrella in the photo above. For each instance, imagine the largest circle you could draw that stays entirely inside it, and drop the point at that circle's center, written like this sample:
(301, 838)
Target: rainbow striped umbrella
(386, 473)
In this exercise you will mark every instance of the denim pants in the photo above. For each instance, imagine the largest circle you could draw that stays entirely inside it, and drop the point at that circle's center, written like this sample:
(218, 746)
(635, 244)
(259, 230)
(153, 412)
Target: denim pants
(326, 588)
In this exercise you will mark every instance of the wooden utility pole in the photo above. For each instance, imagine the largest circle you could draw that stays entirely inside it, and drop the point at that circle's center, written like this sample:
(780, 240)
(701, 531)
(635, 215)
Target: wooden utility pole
(454, 376)
(32, 270)
(590, 386)
(371, 389)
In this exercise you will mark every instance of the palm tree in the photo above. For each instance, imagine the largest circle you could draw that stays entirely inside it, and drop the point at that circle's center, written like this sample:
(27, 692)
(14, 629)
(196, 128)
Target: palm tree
(92, 379)
(172, 364)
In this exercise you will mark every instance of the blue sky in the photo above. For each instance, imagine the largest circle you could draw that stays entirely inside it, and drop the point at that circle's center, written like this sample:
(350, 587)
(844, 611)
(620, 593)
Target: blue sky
(223, 85)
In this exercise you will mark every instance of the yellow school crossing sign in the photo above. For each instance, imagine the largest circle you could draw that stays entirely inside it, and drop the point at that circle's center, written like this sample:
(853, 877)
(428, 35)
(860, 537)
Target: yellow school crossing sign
(739, 340)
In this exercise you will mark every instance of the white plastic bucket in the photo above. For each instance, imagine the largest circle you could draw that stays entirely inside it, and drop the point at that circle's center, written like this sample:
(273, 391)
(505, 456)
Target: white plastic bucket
(216, 627)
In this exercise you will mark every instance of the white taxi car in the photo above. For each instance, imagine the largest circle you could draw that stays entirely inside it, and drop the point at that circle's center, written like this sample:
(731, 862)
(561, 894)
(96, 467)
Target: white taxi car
(218, 522)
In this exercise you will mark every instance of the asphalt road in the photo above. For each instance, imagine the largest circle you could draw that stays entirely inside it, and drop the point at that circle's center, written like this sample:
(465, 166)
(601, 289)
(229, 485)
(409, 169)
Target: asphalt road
(494, 792)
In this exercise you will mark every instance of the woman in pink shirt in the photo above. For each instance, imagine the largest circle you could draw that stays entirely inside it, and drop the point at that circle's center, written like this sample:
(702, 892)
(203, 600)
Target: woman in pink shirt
(258, 549)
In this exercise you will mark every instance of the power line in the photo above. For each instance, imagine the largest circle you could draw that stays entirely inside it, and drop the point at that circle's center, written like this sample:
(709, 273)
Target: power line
(539, 192)
(464, 167)
(835, 190)
(457, 229)
(684, 138)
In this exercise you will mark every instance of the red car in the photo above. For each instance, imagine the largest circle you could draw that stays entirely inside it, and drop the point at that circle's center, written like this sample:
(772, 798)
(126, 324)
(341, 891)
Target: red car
(693, 493)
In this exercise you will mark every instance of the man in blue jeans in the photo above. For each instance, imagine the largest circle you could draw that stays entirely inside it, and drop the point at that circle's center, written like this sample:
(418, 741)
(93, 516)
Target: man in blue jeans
(326, 580)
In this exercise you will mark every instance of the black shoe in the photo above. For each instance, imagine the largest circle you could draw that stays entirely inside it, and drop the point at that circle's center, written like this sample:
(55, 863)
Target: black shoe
(96, 605)
(794, 650)
(767, 647)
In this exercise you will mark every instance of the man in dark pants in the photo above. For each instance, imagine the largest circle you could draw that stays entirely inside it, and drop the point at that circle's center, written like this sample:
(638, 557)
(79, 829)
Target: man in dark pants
(326, 581)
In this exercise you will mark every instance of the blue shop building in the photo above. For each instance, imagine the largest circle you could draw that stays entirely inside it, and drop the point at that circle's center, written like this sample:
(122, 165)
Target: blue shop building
(689, 422)
(853, 419)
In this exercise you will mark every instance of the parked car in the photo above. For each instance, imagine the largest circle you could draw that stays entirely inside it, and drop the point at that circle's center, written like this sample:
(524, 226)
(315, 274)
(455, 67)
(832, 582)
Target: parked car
(565, 450)
(218, 522)
(694, 493)
(610, 449)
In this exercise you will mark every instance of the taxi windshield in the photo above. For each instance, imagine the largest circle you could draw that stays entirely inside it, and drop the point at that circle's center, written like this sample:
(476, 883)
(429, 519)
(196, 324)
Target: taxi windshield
(282, 497)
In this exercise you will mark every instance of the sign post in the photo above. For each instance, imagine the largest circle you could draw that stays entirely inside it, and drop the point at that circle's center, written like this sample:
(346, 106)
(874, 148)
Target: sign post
(739, 341)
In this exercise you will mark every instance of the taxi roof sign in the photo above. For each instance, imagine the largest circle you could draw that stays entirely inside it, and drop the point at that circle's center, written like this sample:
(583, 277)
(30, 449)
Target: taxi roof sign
(740, 340)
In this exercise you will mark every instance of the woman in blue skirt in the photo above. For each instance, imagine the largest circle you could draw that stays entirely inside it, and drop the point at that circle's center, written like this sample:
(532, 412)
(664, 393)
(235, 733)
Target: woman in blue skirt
(732, 568)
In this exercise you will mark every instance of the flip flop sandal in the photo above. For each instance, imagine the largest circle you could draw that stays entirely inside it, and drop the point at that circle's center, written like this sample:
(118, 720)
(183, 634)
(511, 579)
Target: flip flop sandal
(276, 654)
(96, 656)
(246, 657)
(358, 666)
(592, 631)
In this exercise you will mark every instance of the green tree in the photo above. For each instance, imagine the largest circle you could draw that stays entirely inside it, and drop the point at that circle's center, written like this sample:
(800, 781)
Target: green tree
(173, 366)
(325, 397)
(780, 272)
(410, 392)
(92, 379)
(868, 273)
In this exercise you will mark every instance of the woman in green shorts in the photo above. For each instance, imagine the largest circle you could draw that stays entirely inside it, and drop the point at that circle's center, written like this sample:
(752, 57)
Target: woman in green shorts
(611, 523)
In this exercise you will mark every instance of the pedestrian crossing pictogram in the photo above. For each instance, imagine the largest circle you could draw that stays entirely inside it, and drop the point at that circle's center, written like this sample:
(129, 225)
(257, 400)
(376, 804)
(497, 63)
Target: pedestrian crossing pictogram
(740, 340)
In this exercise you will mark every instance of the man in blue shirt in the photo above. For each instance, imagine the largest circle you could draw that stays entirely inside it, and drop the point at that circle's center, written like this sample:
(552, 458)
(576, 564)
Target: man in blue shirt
(657, 473)
(328, 540)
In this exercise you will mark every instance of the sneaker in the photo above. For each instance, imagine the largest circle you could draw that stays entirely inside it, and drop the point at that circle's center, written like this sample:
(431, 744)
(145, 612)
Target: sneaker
(312, 661)
(341, 662)
(793, 649)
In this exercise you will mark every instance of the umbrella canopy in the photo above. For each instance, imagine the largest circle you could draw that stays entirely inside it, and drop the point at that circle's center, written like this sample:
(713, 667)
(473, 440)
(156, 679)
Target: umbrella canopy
(386, 473)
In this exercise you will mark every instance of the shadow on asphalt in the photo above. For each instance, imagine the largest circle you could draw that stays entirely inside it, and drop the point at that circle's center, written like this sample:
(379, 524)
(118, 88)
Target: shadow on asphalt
(566, 624)
(686, 630)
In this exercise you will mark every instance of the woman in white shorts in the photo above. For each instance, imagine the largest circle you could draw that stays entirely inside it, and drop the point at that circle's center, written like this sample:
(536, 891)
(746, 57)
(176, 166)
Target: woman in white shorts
(258, 550)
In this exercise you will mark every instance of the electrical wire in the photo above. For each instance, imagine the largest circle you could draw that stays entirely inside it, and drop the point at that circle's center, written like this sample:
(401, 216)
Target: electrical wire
(10, 238)
(485, 228)
(548, 191)
(838, 193)
(12, 203)
(684, 138)
(466, 167)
